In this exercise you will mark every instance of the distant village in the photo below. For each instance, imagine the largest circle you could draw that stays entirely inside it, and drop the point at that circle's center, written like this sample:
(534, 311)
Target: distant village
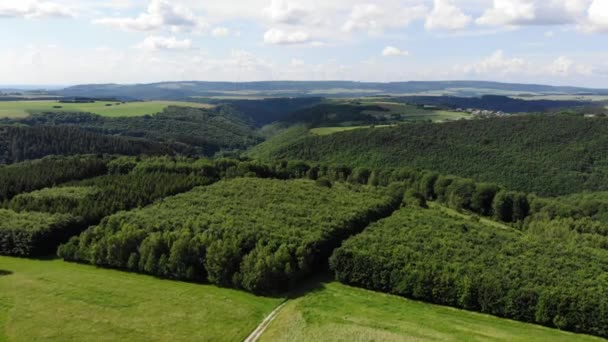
(482, 113)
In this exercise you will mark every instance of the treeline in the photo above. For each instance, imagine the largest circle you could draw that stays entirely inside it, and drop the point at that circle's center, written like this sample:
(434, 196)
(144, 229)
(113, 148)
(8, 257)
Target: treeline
(37, 174)
(259, 235)
(496, 103)
(19, 143)
(428, 255)
(34, 234)
(189, 131)
(547, 155)
(92, 199)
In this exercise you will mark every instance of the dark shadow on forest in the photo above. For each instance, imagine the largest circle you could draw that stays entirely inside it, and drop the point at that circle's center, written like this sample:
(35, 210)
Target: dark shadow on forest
(5, 273)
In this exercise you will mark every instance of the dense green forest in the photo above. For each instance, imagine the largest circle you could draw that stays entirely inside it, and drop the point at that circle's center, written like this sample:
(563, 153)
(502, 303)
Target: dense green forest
(34, 234)
(548, 155)
(260, 235)
(498, 103)
(266, 111)
(429, 255)
(37, 174)
(186, 130)
(19, 143)
(92, 199)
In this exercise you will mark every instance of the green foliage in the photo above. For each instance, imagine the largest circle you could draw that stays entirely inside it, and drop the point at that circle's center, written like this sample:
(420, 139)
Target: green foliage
(18, 143)
(186, 130)
(547, 155)
(260, 235)
(439, 258)
(32, 175)
(94, 198)
(33, 234)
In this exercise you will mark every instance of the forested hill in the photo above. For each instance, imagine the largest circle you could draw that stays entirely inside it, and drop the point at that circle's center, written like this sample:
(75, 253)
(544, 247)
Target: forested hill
(23, 143)
(549, 155)
(186, 130)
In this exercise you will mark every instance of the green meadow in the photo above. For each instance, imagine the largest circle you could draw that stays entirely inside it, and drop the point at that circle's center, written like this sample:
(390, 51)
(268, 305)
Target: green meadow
(17, 109)
(58, 301)
(336, 312)
(52, 300)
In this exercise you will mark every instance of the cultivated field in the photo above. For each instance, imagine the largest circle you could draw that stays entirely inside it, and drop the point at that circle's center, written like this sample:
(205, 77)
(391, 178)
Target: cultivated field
(58, 301)
(16, 109)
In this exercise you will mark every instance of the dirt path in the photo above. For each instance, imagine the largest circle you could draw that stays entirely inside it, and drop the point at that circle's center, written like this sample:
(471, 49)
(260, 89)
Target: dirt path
(255, 335)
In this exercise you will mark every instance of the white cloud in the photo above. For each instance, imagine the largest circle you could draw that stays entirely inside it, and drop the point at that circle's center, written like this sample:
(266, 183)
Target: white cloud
(155, 43)
(375, 18)
(508, 12)
(564, 66)
(159, 14)
(597, 17)
(220, 32)
(496, 64)
(534, 12)
(391, 51)
(280, 37)
(285, 12)
(33, 9)
(445, 15)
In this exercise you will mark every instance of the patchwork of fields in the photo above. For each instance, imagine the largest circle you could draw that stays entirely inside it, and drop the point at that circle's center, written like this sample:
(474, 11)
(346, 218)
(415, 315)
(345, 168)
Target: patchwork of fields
(19, 109)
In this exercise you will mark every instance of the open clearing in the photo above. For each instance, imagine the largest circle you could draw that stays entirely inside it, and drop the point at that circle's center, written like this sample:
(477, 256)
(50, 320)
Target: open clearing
(332, 130)
(335, 312)
(16, 109)
(59, 301)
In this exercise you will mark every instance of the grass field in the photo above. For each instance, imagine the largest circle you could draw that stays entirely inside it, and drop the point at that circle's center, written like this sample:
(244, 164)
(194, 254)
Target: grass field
(407, 113)
(16, 109)
(59, 301)
(332, 130)
(336, 312)
(557, 97)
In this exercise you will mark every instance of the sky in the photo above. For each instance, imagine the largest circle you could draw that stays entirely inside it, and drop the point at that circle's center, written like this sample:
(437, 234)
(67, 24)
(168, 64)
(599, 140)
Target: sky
(64, 42)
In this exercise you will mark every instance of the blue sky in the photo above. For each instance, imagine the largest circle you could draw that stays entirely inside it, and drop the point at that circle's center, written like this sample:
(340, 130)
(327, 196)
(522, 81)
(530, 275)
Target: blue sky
(562, 42)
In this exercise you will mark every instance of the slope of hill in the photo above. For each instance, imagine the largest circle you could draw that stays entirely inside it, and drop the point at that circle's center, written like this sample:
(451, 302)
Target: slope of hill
(549, 155)
(187, 130)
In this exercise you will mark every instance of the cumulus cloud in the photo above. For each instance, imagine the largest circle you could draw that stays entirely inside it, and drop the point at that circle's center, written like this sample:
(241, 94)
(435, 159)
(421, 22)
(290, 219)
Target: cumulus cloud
(281, 37)
(159, 14)
(33, 9)
(375, 19)
(597, 17)
(534, 12)
(285, 12)
(564, 66)
(155, 43)
(497, 63)
(445, 15)
(391, 51)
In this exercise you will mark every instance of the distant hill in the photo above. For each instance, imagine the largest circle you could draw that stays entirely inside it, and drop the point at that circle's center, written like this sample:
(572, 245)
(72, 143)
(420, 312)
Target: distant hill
(187, 130)
(180, 90)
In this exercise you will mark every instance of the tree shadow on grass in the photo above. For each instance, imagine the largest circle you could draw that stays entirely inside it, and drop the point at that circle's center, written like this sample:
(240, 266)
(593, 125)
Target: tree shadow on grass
(311, 284)
(5, 273)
